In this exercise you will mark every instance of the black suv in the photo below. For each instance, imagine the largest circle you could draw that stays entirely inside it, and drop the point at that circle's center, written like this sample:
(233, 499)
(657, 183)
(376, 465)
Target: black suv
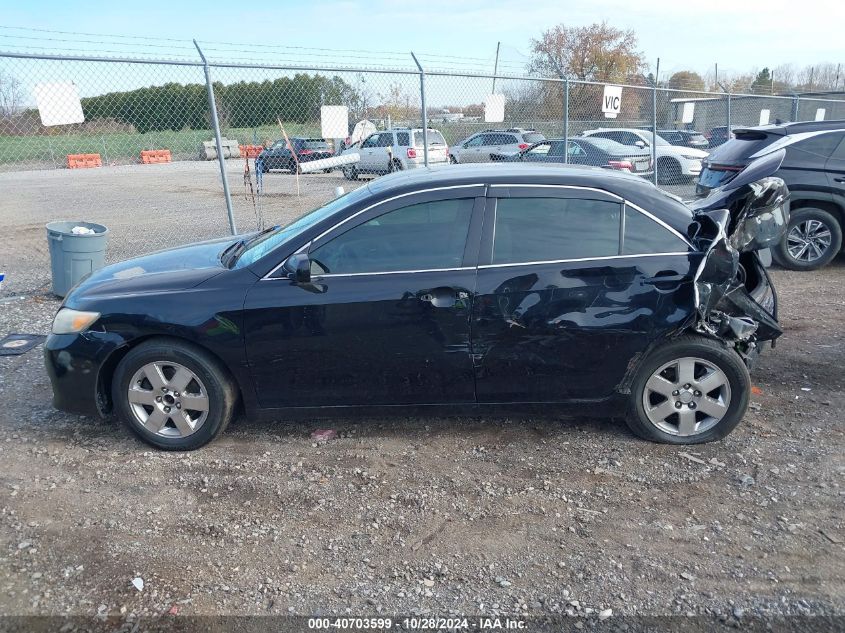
(814, 171)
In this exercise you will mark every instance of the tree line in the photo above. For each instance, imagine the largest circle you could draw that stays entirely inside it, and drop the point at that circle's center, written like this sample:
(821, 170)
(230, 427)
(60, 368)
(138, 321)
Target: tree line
(175, 106)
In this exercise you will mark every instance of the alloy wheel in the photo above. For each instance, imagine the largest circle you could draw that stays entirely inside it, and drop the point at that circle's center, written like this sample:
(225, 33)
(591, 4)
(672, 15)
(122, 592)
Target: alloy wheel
(686, 396)
(168, 399)
(808, 241)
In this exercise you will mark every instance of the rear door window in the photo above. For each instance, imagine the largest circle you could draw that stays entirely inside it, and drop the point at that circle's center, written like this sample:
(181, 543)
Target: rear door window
(643, 235)
(403, 139)
(552, 229)
(385, 139)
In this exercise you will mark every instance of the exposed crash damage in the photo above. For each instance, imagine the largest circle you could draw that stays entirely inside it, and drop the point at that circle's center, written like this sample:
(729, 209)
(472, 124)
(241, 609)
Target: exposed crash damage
(731, 226)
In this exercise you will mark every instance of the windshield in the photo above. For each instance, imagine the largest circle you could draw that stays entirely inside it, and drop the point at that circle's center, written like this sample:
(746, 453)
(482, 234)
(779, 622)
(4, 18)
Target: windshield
(608, 145)
(647, 135)
(266, 243)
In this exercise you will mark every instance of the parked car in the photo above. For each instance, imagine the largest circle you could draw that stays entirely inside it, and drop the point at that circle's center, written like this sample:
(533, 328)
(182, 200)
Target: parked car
(685, 138)
(597, 152)
(279, 155)
(719, 135)
(481, 147)
(814, 171)
(675, 165)
(394, 150)
(456, 289)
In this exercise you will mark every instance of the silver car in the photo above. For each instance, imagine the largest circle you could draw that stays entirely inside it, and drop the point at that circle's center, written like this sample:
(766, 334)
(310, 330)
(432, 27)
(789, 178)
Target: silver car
(482, 146)
(395, 149)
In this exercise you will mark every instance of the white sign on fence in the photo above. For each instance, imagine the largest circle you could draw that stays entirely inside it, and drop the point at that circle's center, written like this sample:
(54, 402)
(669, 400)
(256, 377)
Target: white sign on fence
(611, 102)
(334, 121)
(688, 113)
(58, 103)
(820, 112)
(764, 117)
(494, 108)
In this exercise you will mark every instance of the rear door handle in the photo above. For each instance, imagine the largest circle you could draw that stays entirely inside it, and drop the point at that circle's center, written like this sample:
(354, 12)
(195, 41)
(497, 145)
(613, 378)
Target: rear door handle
(839, 179)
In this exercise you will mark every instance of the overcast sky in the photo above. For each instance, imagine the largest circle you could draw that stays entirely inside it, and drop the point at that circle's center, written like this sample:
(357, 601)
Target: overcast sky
(736, 34)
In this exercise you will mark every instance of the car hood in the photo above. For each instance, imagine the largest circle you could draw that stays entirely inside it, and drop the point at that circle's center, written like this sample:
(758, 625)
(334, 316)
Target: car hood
(178, 268)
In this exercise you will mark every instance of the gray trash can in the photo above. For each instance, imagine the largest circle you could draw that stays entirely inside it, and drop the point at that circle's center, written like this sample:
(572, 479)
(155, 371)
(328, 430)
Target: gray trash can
(72, 256)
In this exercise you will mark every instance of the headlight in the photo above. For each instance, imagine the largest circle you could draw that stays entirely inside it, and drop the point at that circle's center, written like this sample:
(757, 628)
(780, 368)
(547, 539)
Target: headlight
(69, 321)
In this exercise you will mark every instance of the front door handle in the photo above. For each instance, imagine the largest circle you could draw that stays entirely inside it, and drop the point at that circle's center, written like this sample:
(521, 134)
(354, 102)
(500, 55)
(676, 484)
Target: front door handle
(443, 297)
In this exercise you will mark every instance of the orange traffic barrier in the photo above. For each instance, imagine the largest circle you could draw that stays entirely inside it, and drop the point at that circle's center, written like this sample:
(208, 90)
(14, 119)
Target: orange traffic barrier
(150, 156)
(82, 161)
(251, 151)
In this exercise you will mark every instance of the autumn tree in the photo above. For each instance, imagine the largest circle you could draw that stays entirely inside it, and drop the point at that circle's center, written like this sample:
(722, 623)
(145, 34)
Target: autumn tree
(686, 80)
(598, 52)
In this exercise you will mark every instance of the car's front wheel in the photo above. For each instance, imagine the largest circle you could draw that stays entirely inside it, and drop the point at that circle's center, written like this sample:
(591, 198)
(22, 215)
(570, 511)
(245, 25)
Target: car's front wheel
(173, 395)
(689, 391)
(812, 240)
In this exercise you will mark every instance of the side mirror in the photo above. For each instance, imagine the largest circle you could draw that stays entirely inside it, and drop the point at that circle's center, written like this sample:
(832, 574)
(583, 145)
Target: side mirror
(641, 144)
(298, 267)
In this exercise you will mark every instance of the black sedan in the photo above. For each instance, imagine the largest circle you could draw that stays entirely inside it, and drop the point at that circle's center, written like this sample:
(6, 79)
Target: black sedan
(685, 138)
(279, 155)
(596, 152)
(446, 290)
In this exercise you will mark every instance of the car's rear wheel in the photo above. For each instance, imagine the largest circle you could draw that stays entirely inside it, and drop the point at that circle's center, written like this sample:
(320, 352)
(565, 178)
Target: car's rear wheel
(689, 391)
(812, 240)
(350, 173)
(669, 171)
(395, 165)
(173, 395)
(452, 159)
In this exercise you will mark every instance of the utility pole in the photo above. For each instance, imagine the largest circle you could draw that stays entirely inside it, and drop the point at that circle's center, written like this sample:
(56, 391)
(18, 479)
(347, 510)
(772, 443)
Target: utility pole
(716, 78)
(496, 67)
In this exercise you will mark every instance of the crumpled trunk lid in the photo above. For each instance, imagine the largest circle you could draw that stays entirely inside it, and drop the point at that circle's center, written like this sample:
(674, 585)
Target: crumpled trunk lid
(730, 225)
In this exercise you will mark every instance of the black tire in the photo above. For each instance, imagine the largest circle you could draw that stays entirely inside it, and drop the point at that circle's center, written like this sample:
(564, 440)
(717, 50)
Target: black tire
(714, 352)
(350, 173)
(452, 159)
(219, 387)
(799, 217)
(394, 166)
(669, 172)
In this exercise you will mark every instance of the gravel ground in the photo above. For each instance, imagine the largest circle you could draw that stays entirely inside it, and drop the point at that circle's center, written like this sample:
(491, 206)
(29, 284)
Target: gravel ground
(520, 516)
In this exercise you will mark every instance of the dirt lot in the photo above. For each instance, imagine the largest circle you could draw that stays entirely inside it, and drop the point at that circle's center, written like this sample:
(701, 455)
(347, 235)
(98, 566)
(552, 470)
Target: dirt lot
(405, 515)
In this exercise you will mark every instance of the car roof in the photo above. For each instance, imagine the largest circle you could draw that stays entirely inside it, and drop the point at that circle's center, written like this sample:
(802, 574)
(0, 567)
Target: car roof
(785, 129)
(627, 186)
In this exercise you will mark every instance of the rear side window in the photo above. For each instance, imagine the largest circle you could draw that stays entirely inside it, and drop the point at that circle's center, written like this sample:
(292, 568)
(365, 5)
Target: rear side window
(425, 236)
(403, 139)
(533, 137)
(644, 235)
(821, 145)
(315, 144)
(550, 229)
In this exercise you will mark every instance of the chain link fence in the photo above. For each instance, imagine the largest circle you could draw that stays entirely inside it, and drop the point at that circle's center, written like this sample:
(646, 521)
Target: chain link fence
(148, 128)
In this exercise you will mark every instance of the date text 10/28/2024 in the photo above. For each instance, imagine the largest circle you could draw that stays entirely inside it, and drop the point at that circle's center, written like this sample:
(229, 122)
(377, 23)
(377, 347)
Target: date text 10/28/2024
(417, 623)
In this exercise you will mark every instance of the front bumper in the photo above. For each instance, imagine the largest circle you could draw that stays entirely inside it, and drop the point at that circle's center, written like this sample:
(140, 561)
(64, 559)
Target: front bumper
(690, 167)
(74, 365)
